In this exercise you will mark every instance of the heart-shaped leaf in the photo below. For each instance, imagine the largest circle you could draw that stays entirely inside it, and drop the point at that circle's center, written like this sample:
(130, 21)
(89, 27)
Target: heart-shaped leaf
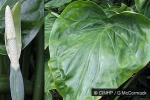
(89, 50)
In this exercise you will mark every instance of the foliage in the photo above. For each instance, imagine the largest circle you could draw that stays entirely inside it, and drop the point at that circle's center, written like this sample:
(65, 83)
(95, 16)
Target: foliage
(49, 20)
(56, 3)
(95, 46)
(143, 7)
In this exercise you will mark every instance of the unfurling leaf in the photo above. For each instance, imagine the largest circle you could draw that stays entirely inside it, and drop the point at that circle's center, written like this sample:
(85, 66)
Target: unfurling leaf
(13, 46)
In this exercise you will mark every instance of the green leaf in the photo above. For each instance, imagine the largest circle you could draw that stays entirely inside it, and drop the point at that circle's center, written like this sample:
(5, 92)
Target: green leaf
(139, 4)
(48, 96)
(104, 3)
(56, 3)
(115, 10)
(89, 50)
(48, 79)
(143, 6)
(49, 20)
(16, 13)
(32, 17)
(110, 11)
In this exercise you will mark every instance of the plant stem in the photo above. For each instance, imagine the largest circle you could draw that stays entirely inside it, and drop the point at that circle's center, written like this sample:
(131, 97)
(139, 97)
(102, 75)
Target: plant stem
(39, 74)
(1, 65)
(4, 84)
(25, 61)
(6, 65)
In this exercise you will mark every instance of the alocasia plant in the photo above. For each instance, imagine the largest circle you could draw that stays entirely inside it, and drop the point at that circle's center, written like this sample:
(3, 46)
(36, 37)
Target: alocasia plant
(89, 50)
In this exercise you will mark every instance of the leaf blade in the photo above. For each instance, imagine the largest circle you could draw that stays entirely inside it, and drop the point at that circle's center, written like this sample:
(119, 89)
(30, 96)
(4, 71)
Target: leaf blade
(143, 6)
(16, 13)
(89, 50)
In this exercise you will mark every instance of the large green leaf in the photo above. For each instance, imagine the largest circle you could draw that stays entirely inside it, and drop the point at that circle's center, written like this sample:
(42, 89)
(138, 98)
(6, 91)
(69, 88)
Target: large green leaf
(89, 50)
(32, 13)
(49, 20)
(143, 7)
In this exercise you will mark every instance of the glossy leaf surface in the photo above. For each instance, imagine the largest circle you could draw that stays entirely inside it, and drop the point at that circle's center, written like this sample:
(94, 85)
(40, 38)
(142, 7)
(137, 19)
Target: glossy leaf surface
(89, 50)
(49, 21)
